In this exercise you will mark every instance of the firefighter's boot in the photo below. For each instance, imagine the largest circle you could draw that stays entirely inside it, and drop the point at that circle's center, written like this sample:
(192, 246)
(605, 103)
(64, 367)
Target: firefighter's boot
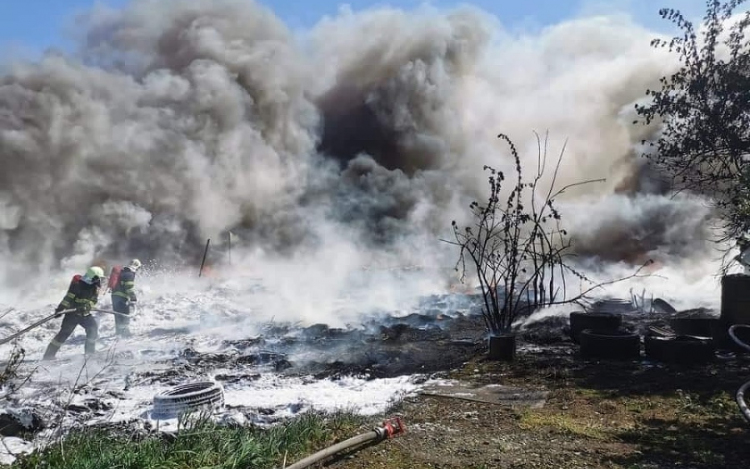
(51, 351)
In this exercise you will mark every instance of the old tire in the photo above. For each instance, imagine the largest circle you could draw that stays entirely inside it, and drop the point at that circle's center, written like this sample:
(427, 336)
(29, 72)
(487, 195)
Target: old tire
(663, 306)
(616, 345)
(682, 350)
(655, 347)
(702, 327)
(188, 398)
(597, 322)
(502, 347)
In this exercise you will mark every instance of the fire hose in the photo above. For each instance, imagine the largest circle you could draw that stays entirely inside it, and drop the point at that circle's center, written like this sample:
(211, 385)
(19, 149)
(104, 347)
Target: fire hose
(111, 312)
(49, 318)
(35, 325)
(390, 428)
(740, 396)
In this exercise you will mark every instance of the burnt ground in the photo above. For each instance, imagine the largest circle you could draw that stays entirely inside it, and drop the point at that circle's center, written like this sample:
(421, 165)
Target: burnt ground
(446, 333)
(383, 348)
(609, 414)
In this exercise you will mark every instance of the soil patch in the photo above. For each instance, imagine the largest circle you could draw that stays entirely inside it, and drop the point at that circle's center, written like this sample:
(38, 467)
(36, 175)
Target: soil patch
(597, 414)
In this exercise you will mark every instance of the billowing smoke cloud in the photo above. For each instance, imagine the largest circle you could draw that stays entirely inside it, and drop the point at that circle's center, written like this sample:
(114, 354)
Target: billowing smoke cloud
(179, 121)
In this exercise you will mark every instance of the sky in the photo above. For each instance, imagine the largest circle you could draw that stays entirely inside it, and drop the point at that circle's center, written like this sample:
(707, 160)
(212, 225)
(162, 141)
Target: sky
(31, 26)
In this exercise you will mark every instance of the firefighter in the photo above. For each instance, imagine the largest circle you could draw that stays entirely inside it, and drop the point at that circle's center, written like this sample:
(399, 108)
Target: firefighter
(83, 294)
(124, 298)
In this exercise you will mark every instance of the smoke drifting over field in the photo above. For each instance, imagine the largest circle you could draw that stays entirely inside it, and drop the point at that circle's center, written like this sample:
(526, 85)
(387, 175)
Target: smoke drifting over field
(182, 120)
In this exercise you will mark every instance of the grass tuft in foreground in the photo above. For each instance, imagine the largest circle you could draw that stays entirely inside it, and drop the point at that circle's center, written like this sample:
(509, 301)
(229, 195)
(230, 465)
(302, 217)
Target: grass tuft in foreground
(202, 444)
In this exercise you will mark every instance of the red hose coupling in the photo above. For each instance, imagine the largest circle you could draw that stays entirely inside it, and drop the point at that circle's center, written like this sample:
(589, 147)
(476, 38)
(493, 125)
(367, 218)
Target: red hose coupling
(394, 426)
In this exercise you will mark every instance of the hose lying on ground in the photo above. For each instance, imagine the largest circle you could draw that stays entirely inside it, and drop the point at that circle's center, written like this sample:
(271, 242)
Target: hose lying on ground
(735, 338)
(740, 396)
(390, 428)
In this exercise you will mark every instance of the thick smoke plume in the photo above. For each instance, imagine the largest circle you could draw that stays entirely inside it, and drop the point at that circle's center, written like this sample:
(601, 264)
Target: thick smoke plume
(182, 120)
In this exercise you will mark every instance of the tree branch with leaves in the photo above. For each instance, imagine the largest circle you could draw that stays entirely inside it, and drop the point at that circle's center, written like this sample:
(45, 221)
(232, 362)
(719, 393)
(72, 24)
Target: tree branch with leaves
(704, 112)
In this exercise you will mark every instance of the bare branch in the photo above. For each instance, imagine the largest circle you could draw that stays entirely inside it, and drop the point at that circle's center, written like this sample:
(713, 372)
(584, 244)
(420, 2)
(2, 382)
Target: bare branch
(517, 248)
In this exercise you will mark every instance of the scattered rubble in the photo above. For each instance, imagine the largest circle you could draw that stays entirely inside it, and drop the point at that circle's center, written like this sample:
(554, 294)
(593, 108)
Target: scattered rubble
(20, 422)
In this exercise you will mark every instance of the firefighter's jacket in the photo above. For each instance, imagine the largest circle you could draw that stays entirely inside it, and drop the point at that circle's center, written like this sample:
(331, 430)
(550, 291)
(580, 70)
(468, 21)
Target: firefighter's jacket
(81, 296)
(125, 287)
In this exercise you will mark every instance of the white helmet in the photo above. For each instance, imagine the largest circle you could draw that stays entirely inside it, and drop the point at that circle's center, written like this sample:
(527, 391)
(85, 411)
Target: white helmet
(134, 265)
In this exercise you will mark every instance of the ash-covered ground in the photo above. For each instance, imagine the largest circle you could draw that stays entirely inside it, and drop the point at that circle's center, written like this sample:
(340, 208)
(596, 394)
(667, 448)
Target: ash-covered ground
(270, 369)
(278, 371)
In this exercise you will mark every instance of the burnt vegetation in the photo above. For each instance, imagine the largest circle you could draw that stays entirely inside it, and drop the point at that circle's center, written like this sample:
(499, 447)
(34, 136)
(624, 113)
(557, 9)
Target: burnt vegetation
(517, 246)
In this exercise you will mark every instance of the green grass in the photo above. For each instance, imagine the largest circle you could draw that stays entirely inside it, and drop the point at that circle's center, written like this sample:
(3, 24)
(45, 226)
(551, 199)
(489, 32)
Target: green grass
(200, 445)
(562, 423)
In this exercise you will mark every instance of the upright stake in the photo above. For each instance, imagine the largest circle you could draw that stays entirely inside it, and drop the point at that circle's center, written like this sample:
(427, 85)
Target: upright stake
(204, 257)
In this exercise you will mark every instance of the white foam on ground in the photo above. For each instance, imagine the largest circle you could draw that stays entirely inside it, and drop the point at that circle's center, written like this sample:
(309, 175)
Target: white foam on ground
(11, 447)
(367, 397)
(178, 312)
(181, 311)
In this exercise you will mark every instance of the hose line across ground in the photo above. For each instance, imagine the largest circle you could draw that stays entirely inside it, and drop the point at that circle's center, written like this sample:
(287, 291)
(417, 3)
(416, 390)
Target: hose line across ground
(740, 396)
(390, 428)
(331, 450)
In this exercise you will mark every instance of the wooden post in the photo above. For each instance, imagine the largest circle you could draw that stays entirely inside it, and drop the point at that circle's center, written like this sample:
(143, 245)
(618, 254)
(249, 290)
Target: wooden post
(200, 272)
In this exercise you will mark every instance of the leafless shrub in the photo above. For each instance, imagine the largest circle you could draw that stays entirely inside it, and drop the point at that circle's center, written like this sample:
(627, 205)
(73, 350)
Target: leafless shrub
(517, 246)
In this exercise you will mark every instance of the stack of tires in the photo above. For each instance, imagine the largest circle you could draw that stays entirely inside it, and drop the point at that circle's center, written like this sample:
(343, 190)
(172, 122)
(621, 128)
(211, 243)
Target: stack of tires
(735, 309)
(681, 349)
(692, 343)
(695, 337)
(600, 335)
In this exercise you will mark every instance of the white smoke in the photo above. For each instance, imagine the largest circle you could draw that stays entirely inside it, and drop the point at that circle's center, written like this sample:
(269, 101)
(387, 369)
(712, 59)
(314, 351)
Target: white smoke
(354, 143)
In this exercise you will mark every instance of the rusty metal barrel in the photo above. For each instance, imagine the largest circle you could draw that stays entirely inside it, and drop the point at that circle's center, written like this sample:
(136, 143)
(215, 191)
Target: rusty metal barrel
(735, 308)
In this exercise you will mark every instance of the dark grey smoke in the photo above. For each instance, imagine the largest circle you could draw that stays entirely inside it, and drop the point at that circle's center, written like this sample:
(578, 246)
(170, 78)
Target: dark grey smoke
(182, 120)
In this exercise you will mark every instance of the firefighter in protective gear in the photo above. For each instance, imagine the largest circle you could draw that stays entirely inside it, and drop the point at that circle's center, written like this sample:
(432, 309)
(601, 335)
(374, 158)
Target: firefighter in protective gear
(124, 297)
(82, 296)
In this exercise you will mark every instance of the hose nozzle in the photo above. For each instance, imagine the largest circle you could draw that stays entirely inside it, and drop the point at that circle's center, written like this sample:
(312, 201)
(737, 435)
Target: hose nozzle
(391, 427)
